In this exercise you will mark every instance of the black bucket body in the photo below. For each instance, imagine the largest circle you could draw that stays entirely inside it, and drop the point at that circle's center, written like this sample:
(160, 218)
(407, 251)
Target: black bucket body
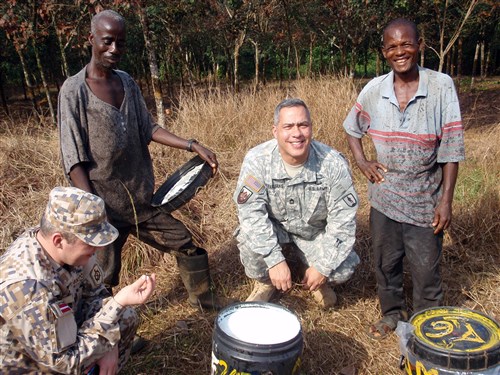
(453, 341)
(256, 338)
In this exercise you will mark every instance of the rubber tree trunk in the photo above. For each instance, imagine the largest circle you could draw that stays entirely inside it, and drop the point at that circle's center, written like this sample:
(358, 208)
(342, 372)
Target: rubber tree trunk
(459, 64)
(422, 55)
(237, 45)
(483, 61)
(153, 66)
(257, 65)
(311, 49)
(352, 64)
(378, 68)
(62, 50)
(27, 79)
(4, 98)
(474, 65)
(487, 64)
(45, 84)
(297, 61)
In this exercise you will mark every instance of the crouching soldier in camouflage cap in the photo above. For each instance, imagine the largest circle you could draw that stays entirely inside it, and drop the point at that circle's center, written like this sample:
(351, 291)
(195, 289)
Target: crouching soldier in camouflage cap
(297, 192)
(56, 316)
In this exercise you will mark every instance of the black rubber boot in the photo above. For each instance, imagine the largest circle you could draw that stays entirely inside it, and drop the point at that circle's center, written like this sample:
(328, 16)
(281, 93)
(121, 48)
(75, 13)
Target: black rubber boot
(195, 275)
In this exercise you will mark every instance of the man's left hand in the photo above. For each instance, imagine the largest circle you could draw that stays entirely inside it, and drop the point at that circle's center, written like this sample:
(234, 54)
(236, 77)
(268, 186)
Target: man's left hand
(206, 155)
(313, 279)
(108, 365)
(442, 217)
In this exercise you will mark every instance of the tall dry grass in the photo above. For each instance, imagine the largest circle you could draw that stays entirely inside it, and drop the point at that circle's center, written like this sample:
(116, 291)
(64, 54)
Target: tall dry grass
(230, 124)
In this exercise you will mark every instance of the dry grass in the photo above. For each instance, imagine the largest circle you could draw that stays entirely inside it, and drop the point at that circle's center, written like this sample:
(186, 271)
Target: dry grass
(231, 124)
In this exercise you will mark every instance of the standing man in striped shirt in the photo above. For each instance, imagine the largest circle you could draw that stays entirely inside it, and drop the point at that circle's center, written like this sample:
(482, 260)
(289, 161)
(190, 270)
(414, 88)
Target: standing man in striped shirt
(413, 117)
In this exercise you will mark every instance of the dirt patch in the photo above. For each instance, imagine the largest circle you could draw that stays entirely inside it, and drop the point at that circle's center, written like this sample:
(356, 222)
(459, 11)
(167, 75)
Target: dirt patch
(481, 107)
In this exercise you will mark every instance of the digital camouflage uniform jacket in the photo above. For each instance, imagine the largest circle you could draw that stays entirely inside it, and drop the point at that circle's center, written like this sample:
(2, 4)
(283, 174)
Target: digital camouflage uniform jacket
(316, 209)
(53, 318)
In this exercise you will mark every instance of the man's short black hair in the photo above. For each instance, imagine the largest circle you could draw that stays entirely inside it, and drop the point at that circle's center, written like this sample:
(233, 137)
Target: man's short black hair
(108, 13)
(402, 22)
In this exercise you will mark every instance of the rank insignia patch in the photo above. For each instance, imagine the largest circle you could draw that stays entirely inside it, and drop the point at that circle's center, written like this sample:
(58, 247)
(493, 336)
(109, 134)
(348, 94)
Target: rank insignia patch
(244, 194)
(350, 200)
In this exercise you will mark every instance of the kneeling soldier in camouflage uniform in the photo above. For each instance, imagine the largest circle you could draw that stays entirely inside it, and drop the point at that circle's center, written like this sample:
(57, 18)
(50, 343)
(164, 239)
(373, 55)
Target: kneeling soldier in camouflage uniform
(56, 316)
(295, 191)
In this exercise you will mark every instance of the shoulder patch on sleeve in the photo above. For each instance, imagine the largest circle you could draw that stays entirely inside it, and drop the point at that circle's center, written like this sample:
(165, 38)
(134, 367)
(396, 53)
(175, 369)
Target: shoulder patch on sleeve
(244, 194)
(350, 200)
(252, 183)
(96, 274)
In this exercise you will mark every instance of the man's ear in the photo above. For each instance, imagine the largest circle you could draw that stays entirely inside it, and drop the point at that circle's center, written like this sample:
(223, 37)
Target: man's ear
(57, 239)
(275, 130)
(91, 38)
(420, 43)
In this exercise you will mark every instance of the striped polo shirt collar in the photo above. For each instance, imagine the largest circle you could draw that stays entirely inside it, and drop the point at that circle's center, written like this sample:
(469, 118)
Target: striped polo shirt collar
(387, 86)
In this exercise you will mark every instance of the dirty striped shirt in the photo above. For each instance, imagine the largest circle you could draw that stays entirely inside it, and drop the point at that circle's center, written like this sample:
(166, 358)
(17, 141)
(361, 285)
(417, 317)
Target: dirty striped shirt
(411, 143)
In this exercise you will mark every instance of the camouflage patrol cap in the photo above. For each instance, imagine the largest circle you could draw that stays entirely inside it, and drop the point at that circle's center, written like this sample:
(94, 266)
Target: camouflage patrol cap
(81, 213)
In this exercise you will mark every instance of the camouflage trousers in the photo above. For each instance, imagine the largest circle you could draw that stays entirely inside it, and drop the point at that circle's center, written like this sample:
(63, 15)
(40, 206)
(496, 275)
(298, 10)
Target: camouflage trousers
(297, 258)
(128, 326)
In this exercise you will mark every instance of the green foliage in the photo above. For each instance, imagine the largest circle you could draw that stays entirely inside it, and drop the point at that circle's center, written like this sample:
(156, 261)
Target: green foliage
(191, 38)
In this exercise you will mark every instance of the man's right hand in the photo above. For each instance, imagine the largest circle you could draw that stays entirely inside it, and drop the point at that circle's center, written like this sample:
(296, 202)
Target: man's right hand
(137, 292)
(281, 276)
(372, 170)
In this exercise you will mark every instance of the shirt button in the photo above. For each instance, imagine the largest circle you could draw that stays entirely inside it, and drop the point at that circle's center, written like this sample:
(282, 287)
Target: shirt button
(291, 201)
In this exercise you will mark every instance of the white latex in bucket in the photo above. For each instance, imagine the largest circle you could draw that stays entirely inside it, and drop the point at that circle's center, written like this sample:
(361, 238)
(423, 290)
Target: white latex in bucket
(265, 324)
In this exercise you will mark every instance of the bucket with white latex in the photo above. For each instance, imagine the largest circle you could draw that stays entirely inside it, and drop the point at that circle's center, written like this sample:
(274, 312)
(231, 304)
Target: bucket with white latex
(256, 338)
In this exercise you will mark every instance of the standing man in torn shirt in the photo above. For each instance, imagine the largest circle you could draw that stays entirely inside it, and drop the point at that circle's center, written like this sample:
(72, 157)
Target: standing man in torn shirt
(56, 316)
(296, 194)
(413, 117)
(105, 129)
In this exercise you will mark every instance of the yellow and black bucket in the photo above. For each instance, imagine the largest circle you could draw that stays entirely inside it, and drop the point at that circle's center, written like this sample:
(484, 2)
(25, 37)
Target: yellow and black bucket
(452, 341)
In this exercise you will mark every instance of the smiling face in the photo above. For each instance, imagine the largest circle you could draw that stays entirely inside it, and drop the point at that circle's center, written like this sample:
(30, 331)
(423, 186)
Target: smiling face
(294, 134)
(108, 42)
(401, 46)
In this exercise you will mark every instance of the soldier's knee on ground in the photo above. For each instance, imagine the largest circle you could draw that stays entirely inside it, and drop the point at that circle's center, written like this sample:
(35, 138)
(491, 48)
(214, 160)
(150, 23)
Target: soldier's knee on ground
(346, 269)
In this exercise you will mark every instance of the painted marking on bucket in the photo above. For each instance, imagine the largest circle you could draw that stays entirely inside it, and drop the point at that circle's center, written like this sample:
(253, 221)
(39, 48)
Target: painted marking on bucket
(225, 369)
(220, 367)
(419, 369)
(456, 330)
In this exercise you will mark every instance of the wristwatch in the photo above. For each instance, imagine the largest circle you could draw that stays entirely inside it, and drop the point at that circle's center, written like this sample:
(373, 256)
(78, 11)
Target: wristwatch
(190, 144)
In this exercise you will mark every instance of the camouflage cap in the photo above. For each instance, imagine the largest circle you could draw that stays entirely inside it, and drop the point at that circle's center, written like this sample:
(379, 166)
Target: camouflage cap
(81, 213)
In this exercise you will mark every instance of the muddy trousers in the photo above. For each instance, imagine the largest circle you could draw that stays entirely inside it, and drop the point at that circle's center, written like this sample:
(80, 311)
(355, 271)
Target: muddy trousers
(162, 231)
(167, 234)
(392, 241)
